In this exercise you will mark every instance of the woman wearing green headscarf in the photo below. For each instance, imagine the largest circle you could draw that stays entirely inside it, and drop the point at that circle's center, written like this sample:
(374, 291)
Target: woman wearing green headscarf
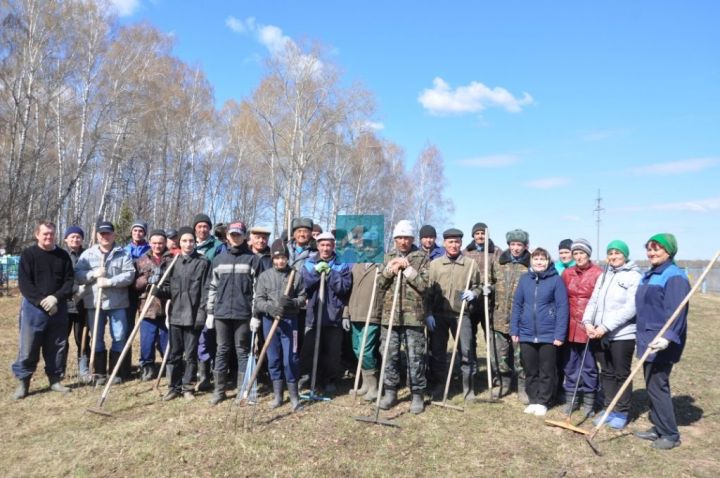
(609, 319)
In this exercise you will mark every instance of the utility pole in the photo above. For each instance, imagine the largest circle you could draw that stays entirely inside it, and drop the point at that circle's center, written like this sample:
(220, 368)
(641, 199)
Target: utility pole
(598, 209)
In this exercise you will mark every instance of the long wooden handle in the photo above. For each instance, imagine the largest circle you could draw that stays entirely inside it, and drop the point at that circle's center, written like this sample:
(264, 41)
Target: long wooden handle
(98, 304)
(486, 310)
(381, 381)
(363, 342)
(648, 350)
(167, 348)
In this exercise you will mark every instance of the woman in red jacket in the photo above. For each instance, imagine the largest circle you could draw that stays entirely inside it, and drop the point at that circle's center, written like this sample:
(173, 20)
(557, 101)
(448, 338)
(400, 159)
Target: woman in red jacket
(580, 281)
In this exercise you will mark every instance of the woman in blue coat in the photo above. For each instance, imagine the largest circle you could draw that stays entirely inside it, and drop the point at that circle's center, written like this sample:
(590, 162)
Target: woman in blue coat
(661, 291)
(539, 323)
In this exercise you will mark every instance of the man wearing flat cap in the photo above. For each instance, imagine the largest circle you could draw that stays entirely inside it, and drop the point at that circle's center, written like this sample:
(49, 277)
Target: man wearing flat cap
(454, 279)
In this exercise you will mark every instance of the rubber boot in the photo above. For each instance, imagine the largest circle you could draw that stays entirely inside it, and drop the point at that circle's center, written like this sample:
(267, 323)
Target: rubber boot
(114, 356)
(22, 389)
(278, 393)
(503, 389)
(570, 404)
(438, 391)
(389, 400)
(370, 379)
(204, 375)
(363, 388)
(468, 383)
(588, 406)
(84, 370)
(417, 405)
(522, 393)
(100, 366)
(294, 396)
(147, 373)
(125, 372)
(56, 386)
(219, 391)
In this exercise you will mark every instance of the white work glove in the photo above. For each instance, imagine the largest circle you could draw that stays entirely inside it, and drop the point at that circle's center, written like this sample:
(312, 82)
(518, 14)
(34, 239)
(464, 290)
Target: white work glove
(79, 293)
(487, 290)
(346, 324)
(49, 303)
(103, 283)
(468, 295)
(658, 344)
(254, 324)
(98, 272)
(210, 321)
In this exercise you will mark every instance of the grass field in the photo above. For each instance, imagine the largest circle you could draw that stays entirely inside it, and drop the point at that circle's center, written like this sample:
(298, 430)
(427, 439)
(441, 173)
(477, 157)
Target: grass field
(50, 435)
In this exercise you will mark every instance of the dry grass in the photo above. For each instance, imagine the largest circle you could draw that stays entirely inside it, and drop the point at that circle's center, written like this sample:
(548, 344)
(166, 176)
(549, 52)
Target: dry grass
(46, 434)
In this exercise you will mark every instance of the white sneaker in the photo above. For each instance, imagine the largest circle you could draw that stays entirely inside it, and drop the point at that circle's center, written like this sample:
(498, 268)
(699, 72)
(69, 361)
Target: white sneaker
(530, 409)
(540, 410)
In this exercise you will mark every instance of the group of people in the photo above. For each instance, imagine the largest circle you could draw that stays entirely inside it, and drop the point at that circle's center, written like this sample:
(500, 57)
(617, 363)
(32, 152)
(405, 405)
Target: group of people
(557, 330)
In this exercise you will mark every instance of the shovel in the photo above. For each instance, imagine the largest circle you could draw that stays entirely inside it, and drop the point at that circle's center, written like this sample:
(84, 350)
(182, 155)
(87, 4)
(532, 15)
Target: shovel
(98, 408)
(376, 418)
(591, 436)
(455, 347)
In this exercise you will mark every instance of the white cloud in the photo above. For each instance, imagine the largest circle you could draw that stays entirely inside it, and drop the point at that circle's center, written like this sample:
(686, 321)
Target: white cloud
(374, 125)
(491, 161)
(125, 8)
(701, 205)
(548, 183)
(238, 26)
(473, 98)
(692, 165)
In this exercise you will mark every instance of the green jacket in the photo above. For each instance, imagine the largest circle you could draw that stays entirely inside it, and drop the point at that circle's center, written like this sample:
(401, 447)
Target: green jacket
(448, 280)
(508, 276)
(410, 305)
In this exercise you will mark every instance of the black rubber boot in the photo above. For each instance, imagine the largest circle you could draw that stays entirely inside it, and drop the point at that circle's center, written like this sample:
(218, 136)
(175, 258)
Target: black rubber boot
(371, 380)
(114, 356)
(22, 389)
(468, 383)
(56, 386)
(278, 394)
(204, 376)
(522, 393)
(417, 405)
(389, 400)
(294, 396)
(588, 406)
(100, 367)
(219, 391)
(147, 372)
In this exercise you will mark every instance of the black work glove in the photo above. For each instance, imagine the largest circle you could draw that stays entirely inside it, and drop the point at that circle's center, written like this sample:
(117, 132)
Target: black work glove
(286, 302)
(275, 311)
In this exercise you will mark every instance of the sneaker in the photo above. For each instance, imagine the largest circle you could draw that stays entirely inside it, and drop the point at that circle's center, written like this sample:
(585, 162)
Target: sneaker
(617, 420)
(530, 409)
(540, 410)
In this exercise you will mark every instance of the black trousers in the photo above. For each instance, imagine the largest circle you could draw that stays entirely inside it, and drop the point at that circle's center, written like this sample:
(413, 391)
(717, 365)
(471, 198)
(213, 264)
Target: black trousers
(182, 359)
(662, 413)
(539, 362)
(329, 365)
(615, 360)
(76, 323)
(232, 333)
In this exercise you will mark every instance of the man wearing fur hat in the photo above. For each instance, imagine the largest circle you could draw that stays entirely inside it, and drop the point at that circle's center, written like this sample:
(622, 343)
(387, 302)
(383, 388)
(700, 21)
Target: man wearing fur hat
(447, 290)
(407, 264)
(512, 263)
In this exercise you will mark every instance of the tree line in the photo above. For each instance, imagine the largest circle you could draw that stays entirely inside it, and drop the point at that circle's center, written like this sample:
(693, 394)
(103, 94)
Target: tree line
(98, 120)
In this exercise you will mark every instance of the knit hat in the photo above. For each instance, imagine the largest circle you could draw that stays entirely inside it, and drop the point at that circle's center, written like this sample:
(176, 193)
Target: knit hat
(202, 217)
(171, 233)
(517, 235)
(667, 241)
(237, 228)
(104, 226)
(582, 245)
(158, 232)
(299, 222)
(565, 244)
(403, 229)
(74, 230)
(480, 226)
(139, 223)
(452, 232)
(427, 231)
(325, 236)
(186, 230)
(278, 248)
(620, 246)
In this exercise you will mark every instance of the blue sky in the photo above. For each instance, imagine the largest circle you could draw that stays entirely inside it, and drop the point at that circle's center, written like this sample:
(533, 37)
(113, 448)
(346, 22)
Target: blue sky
(535, 106)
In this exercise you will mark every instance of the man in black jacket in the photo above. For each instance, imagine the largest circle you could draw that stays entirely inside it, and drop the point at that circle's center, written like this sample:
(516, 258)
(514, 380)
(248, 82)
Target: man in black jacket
(229, 306)
(45, 278)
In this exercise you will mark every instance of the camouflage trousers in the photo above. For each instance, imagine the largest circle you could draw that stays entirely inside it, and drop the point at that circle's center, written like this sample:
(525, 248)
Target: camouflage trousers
(508, 355)
(413, 338)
